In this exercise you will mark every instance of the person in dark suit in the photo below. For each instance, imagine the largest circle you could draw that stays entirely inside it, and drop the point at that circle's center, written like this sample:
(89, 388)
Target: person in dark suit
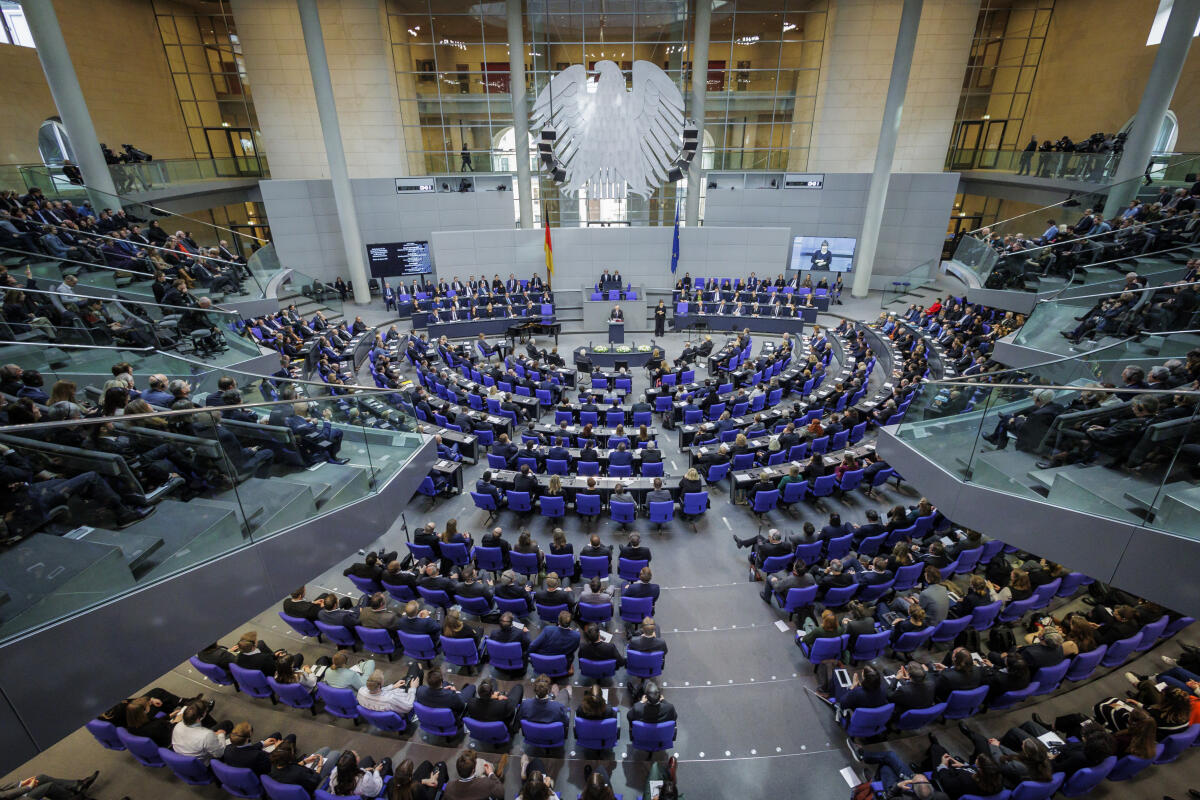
(247, 754)
(505, 450)
(496, 539)
(253, 653)
(317, 442)
(914, 688)
(507, 632)
(417, 621)
(616, 315)
(552, 594)
(1030, 426)
(545, 707)
(644, 586)
(866, 690)
(621, 457)
(651, 708)
(555, 640)
(595, 549)
(297, 606)
(961, 674)
(307, 773)
(526, 481)
(489, 705)
(593, 649)
(633, 549)
(834, 577)
(436, 695)
(485, 486)
(1045, 652)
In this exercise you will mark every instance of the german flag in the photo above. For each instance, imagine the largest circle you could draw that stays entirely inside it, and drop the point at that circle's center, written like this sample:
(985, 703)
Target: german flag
(549, 254)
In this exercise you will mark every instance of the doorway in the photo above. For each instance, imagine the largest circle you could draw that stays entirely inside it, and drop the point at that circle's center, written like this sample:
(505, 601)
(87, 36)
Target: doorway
(232, 151)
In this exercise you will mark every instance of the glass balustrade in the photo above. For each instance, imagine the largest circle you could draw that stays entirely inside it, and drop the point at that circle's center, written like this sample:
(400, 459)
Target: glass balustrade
(216, 480)
(1087, 167)
(1126, 455)
(137, 177)
(1001, 262)
(1069, 325)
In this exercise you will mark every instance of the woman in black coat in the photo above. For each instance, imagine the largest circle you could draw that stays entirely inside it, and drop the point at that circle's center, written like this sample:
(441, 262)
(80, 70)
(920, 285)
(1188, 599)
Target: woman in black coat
(660, 318)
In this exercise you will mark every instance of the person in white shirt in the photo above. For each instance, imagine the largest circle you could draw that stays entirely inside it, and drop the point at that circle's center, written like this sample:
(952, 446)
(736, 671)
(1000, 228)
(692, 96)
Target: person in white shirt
(190, 738)
(397, 697)
(67, 290)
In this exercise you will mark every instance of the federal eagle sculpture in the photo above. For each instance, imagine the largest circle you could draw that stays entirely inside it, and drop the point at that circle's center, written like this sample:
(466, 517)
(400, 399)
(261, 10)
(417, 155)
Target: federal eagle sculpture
(609, 140)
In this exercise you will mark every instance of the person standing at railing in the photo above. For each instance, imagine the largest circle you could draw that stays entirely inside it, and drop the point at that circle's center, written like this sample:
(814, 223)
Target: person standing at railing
(1026, 160)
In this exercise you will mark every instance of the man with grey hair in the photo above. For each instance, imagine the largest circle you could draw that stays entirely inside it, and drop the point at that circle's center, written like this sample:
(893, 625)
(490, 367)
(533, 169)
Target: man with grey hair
(1030, 426)
(1159, 378)
(179, 389)
(397, 697)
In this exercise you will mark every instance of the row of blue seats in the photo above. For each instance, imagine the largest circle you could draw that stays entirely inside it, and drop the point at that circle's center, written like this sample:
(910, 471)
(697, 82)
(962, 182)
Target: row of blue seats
(465, 652)
(558, 466)
(767, 500)
(692, 504)
(598, 736)
(875, 721)
(1085, 780)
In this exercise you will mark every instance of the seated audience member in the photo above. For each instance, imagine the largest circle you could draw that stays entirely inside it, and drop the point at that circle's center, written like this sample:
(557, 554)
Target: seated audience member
(548, 704)
(362, 777)
(341, 676)
(476, 780)
(378, 695)
(190, 737)
(560, 639)
(594, 649)
(491, 705)
(243, 751)
(914, 688)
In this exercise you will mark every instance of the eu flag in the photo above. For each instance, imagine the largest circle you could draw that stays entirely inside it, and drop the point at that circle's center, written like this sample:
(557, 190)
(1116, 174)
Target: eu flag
(675, 243)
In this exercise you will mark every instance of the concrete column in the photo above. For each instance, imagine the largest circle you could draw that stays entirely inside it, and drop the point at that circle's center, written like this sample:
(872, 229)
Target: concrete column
(699, 85)
(906, 41)
(331, 132)
(68, 98)
(1156, 99)
(520, 113)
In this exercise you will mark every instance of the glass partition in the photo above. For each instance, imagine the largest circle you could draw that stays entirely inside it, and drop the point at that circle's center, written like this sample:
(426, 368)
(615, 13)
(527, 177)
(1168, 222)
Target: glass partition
(1070, 324)
(1090, 167)
(115, 503)
(298, 286)
(141, 176)
(1054, 434)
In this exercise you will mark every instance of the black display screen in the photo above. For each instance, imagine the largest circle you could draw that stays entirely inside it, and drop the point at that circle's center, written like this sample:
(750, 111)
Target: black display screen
(399, 258)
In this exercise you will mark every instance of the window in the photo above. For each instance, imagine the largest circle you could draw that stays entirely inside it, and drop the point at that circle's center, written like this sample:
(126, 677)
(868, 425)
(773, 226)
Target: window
(1168, 133)
(53, 143)
(1160, 22)
(13, 27)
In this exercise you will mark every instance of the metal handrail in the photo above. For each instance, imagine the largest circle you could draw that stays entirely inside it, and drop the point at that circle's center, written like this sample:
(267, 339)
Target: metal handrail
(1059, 360)
(151, 206)
(96, 235)
(1109, 187)
(211, 309)
(368, 390)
